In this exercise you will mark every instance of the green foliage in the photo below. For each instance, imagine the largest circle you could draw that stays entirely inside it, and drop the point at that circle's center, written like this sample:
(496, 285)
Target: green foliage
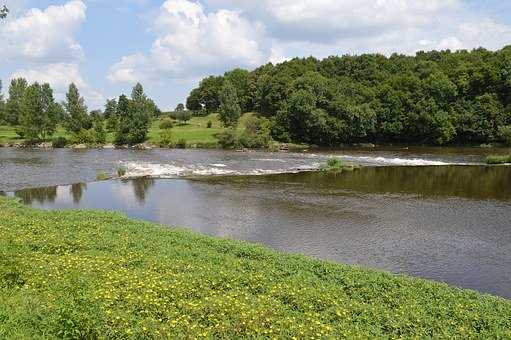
(181, 143)
(433, 97)
(92, 274)
(38, 115)
(180, 107)
(87, 137)
(3, 12)
(228, 139)
(13, 109)
(183, 116)
(121, 171)
(111, 114)
(209, 124)
(166, 123)
(505, 134)
(230, 111)
(77, 118)
(59, 142)
(498, 159)
(257, 133)
(133, 117)
(166, 138)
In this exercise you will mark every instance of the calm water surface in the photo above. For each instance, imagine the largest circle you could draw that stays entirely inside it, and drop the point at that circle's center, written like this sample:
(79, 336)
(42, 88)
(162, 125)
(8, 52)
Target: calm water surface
(445, 221)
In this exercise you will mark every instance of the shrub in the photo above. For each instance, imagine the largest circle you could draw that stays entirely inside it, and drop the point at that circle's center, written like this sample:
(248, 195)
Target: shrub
(228, 139)
(84, 137)
(166, 138)
(59, 142)
(209, 124)
(498, 159)
(121, 171)
(505, 134)
(256, 134)
(166, 123)
(181, 143)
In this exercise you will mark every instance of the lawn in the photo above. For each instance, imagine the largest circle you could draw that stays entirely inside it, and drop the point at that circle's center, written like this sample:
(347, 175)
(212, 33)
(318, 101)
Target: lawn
(195, 131)
(90, 274)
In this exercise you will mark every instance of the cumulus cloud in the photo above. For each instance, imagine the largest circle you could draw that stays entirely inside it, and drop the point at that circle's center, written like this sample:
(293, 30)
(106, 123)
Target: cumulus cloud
(43, 35)
(59, 76)
(191, 41)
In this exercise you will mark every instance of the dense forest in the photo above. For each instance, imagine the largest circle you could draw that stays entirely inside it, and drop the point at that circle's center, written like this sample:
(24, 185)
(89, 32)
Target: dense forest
(445, 97)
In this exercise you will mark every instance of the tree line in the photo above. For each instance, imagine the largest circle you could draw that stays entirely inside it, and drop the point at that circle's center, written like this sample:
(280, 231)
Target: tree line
(437, 97)
(34, 112)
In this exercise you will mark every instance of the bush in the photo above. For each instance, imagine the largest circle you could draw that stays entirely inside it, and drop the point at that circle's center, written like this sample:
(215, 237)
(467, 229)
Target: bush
(166, 138)
(166, 123)
(505, 134)
(256, 134)
(121, 171)
(209, 124)
(181, 143)
(59, 142)
(498, 159)
(84, 137)
(228, 139)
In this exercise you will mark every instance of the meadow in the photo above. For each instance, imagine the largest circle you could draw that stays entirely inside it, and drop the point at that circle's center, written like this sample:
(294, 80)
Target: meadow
(96, 274)
(194, 132)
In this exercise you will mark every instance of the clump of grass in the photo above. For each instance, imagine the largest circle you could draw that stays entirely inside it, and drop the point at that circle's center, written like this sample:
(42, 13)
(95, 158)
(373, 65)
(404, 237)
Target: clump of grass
(498, 159)
(121, 171)
(87, 274)
(101, 176)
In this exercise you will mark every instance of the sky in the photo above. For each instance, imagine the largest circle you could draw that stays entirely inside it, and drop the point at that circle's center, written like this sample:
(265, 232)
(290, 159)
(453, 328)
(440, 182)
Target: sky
(106, 46)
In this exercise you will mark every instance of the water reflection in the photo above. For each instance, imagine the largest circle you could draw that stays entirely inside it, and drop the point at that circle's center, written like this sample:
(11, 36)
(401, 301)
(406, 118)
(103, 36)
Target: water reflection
(40, 195)
(76, 190)
(141, 187)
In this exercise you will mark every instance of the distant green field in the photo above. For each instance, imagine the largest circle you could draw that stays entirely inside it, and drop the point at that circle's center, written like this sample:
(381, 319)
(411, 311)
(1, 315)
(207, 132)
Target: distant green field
(195, 131)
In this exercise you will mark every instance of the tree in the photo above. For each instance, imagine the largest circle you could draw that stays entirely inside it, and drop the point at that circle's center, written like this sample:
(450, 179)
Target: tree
(76, 111)
(133, 118)
(17, 90)
(193, 102)
(184, 116)
(230, 110)
(180, 107)
(3, 12)
(110, 114)
(37, 119)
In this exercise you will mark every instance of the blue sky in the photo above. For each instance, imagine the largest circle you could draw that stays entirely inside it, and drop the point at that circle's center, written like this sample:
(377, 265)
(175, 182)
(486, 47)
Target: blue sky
(106, 46)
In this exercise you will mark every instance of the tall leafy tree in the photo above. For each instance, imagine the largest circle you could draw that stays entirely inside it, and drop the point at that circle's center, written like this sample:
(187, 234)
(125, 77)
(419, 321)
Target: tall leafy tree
(133, 117)
(111, 114)
(17, 90)
(76, 111)
(38, 112)
(2, 105)
(230, 110)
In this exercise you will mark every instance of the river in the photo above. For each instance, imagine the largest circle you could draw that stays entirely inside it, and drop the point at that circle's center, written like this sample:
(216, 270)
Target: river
(434, 213)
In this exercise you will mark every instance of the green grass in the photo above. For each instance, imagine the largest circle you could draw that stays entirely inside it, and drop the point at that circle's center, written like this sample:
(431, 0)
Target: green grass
(498, 159)
(90, 274)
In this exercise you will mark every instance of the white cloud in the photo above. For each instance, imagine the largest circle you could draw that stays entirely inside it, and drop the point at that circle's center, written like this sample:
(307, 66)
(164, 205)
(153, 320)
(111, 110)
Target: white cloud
(59, 76)
(43, 35)
(191, 42)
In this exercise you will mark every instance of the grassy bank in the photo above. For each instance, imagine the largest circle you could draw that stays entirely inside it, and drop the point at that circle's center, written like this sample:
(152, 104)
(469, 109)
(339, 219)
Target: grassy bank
(86, 274)
(498, 159)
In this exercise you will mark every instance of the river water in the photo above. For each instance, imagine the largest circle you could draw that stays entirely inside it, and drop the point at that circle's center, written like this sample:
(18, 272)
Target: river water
(434, 213)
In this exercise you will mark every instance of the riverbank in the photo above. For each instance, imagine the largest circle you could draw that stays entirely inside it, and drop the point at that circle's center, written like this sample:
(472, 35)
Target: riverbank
(91, 273)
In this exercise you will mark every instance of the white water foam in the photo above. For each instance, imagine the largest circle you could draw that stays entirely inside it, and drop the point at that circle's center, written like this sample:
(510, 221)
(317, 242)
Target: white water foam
(396, 161)
(142, 169)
